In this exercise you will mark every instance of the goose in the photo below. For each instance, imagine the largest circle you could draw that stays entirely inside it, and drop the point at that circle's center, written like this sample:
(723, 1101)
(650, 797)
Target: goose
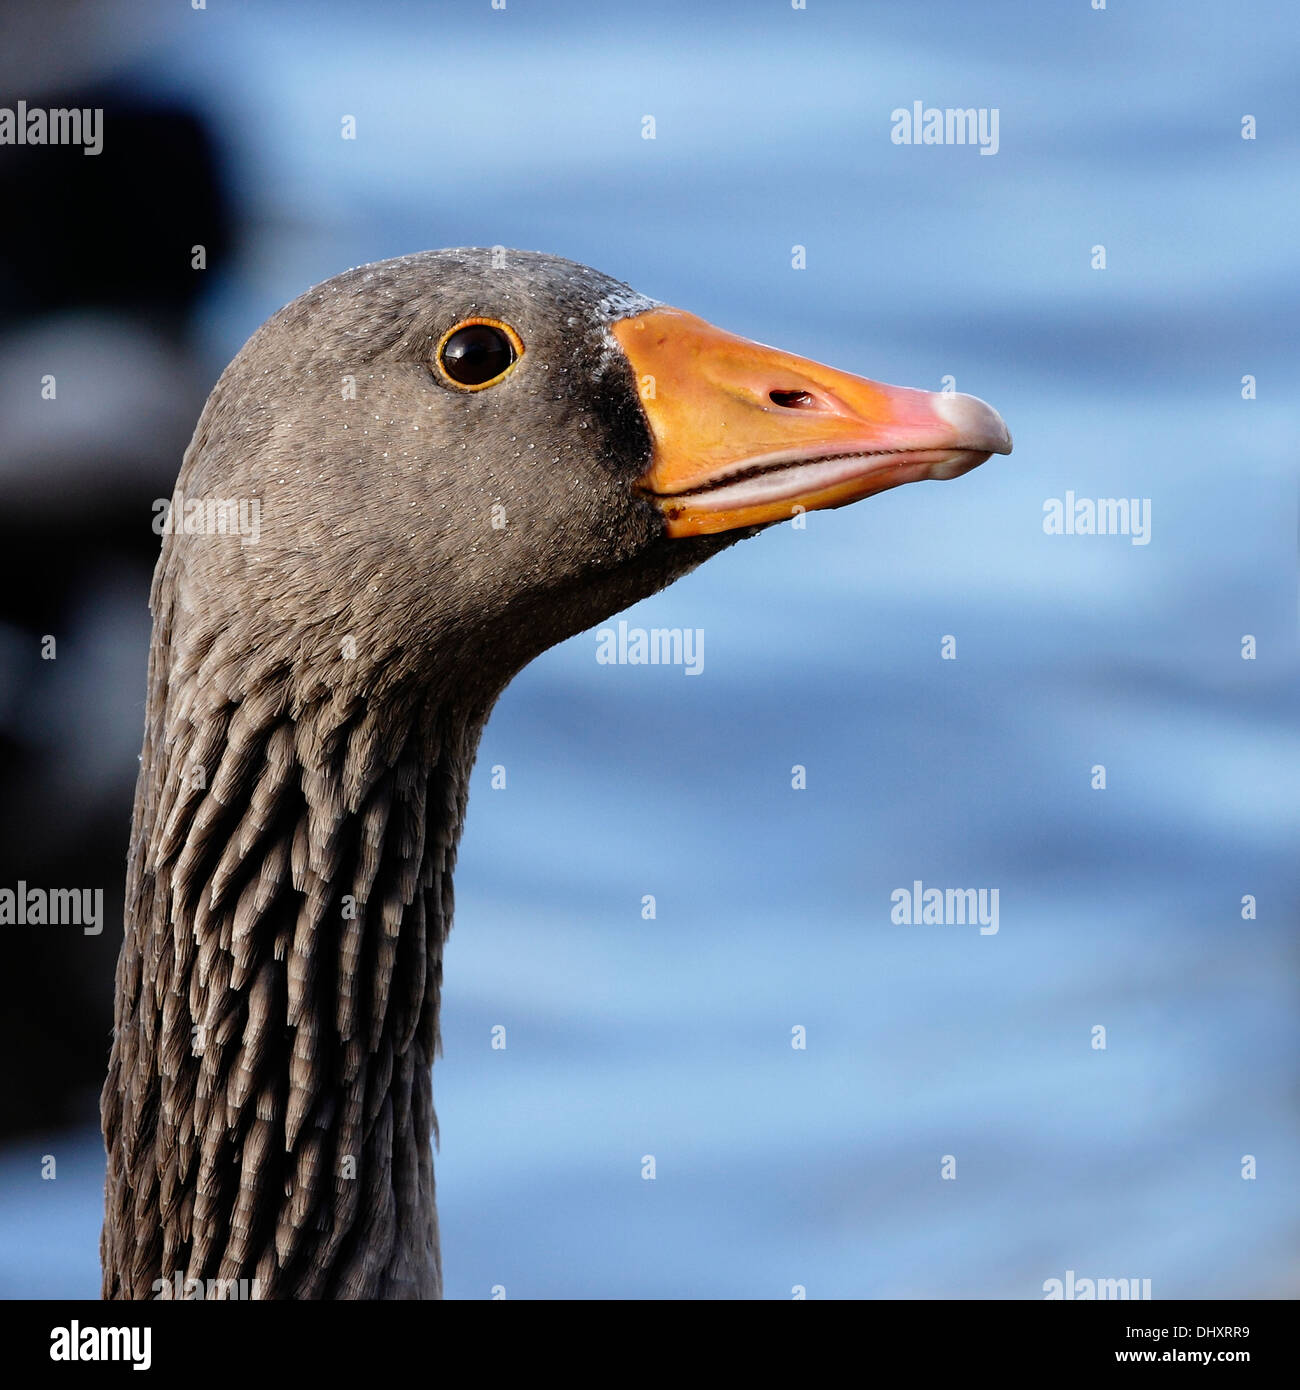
(454, 460)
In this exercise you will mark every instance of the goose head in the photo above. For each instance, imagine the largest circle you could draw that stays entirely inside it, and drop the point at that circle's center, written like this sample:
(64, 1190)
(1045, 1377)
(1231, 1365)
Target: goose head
(460, 458)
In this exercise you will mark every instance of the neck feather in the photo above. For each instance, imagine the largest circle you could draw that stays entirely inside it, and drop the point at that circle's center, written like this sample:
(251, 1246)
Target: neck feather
(268, 1111)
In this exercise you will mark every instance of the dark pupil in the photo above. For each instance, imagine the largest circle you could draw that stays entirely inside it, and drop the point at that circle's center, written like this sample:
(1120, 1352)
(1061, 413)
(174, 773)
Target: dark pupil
(476, 354)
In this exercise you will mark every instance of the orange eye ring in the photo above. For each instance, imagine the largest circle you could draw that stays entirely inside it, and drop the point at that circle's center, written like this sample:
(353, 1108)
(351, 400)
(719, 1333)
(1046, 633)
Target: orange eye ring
(510, 339)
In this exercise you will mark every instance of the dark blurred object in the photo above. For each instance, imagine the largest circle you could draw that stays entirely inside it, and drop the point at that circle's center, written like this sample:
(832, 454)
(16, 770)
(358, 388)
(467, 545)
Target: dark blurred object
(112, 230)
(97, 289)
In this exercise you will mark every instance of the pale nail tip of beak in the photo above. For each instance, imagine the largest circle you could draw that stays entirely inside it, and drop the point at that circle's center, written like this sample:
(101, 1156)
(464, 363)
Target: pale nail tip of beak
(981, 426)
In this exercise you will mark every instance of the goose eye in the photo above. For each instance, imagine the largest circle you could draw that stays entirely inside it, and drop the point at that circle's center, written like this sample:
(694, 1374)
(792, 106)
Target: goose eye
(478, 353)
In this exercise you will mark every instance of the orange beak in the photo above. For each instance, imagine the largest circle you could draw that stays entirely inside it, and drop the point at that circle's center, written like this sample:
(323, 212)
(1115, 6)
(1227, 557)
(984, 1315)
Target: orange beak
(744, 434)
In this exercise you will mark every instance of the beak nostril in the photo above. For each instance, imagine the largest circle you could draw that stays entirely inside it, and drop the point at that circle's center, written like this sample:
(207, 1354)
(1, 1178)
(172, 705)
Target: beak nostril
(792, 400)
